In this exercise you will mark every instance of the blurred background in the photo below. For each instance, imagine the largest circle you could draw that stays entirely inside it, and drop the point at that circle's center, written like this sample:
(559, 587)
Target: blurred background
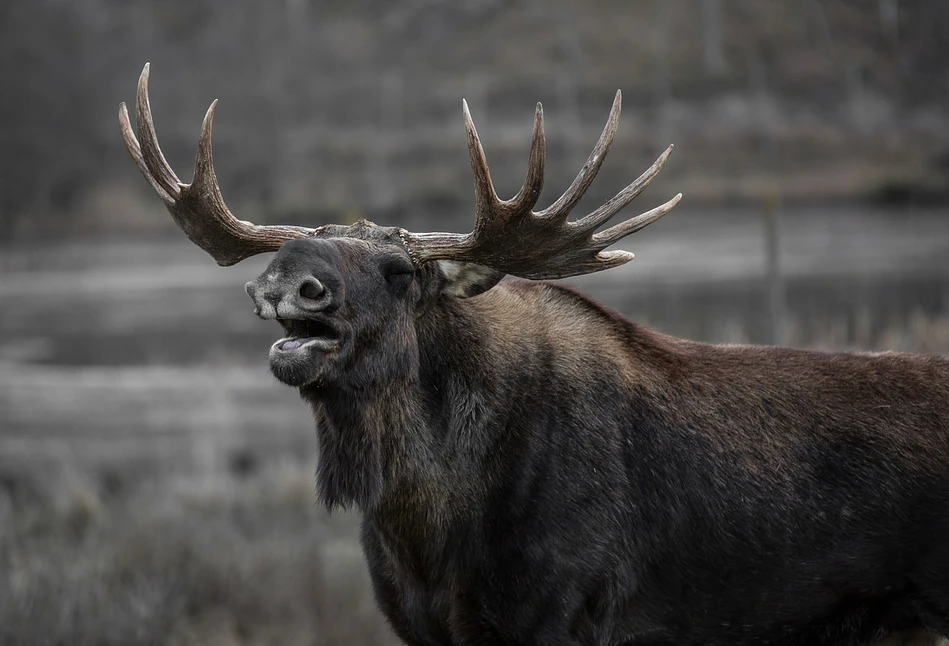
(156, 483)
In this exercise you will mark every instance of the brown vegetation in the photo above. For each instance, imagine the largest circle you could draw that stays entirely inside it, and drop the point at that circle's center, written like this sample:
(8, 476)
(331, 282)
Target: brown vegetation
(250, 563)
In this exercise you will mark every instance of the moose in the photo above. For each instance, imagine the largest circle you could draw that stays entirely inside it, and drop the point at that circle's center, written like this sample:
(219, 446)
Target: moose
(533, 468)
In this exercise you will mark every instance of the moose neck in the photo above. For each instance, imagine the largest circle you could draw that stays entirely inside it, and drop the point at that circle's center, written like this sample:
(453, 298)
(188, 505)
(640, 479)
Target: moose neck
(396, 441)
(361, 437)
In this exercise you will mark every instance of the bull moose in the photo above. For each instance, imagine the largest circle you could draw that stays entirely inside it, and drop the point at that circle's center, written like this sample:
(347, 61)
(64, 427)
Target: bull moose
(533, 468)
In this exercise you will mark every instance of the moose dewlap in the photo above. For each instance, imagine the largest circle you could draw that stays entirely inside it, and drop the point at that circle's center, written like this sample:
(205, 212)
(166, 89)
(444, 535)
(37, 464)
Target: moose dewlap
(533, 468)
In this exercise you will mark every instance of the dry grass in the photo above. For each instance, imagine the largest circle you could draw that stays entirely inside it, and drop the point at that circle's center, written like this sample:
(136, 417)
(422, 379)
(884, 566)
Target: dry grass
(250, 563)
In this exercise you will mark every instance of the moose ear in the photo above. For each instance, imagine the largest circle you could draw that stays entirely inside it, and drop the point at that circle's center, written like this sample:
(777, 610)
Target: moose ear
(466, 279)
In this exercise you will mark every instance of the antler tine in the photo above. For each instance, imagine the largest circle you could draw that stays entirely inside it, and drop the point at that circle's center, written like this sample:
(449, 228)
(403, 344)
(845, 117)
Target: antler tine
(199, 208)
(571, 197)
(527, 197)
(135, 151)
(205, 179)
(148, 138)
(605, 238)
(486, 199)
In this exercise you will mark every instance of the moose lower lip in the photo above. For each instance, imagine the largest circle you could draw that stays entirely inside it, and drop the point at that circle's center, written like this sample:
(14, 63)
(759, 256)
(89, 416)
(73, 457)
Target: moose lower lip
(296, 344)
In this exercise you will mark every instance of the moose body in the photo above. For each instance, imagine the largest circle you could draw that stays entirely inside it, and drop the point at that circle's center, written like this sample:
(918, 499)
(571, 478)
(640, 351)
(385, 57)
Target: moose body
(533, 468)
(551, 473)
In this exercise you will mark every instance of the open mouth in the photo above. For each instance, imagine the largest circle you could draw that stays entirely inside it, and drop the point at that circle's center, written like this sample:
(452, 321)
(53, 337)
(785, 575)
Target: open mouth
(307, 333)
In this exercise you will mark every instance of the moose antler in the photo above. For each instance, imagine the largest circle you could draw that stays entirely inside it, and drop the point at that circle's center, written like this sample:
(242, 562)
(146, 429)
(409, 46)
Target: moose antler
(198, 208)
(510, 237)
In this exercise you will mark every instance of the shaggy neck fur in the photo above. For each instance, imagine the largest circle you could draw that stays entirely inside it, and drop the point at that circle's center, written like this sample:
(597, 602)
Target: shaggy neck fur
(408, 438)
(376, 443)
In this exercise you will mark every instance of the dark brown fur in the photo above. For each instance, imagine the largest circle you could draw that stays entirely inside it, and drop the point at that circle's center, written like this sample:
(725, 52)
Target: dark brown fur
(534, 468)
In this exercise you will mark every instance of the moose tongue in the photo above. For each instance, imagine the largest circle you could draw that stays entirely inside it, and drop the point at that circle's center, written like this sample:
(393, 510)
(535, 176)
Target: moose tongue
(292, 344)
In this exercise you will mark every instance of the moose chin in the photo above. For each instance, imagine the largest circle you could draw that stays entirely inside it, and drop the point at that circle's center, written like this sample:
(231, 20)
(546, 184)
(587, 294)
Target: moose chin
(533, 468)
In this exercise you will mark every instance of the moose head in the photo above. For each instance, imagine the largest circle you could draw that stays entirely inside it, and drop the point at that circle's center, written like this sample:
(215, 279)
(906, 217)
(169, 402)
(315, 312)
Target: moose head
(343, 293)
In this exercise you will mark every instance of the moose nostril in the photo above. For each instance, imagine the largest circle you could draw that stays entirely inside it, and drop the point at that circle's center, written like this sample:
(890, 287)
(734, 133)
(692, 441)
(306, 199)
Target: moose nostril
(312, 289)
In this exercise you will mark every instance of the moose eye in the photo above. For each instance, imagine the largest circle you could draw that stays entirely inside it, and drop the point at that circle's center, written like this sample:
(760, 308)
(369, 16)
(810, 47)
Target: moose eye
(397, 270)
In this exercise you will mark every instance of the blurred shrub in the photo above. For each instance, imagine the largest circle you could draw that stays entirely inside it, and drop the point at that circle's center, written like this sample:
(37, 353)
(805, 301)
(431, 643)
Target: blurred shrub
(253, 564)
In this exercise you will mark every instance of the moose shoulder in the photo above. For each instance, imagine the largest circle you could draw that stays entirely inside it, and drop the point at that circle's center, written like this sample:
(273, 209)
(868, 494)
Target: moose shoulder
(532, 467)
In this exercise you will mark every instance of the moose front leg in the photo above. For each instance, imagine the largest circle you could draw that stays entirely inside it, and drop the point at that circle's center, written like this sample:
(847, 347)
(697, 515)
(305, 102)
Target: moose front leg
(407, 614)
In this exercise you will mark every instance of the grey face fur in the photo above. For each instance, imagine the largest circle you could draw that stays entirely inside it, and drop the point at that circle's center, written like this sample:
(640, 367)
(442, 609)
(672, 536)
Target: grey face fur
(348, 304)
